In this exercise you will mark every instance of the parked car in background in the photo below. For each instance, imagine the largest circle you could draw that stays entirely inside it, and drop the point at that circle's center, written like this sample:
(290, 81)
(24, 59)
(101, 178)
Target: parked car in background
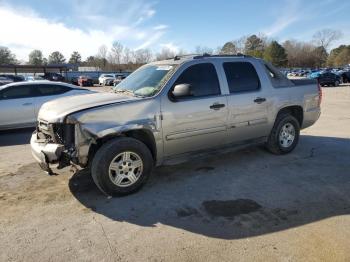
(345, 76)
(21, 101)
(4, 80)
(85, 81)
(74, 80)
(33, 78)
(315, 74)
(118, 79)
(329, 79)
(54, 77)
(172, 110)
(14, 78)
(106, 78)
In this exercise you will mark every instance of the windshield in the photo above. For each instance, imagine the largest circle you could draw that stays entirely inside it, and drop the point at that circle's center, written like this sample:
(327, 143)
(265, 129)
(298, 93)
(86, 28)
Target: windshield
(145, 81)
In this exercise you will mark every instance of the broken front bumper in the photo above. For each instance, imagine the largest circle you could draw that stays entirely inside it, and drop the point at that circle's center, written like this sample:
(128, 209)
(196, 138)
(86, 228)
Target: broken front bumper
(45, 153)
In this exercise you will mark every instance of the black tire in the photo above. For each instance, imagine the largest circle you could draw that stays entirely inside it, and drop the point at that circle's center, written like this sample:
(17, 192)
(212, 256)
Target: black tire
(273, 143)
(336, 83)
(104, 157)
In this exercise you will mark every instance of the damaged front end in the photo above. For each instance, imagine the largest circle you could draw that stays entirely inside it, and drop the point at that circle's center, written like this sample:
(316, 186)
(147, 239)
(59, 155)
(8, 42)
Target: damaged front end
(54, 144)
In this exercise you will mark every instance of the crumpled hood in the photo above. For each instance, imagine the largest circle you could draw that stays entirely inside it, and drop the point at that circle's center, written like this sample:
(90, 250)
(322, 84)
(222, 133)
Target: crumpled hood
(56, 110)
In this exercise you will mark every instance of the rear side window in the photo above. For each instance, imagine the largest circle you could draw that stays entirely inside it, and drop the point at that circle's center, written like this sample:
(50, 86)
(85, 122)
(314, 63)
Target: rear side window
(241, 77)
(49, 90)
(202, 78)
(14, 92)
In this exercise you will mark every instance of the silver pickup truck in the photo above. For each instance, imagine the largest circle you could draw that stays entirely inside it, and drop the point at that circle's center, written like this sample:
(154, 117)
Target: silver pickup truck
(172, 110)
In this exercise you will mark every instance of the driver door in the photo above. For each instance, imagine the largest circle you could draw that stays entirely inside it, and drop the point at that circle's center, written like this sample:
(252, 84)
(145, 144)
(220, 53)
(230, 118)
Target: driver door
(196, 122)
(17, 107)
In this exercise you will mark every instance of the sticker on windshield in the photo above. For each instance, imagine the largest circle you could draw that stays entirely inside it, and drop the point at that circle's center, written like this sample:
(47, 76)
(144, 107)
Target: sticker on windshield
(164, 67)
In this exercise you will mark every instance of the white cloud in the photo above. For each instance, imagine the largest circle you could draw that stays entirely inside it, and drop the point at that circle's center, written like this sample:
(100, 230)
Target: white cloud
(23, 30)
(160, 27)
(151, 40)
(170, 46)
(287, 16)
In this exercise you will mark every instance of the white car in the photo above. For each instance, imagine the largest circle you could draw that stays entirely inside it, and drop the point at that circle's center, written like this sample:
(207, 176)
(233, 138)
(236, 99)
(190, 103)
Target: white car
(104, 77)
(34, 78)
(21, 101)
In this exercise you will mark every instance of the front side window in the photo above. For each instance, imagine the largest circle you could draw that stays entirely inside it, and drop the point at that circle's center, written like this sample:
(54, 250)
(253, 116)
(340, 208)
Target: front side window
(202, 78)
(146, 81)
(241, 77)
(14, 92)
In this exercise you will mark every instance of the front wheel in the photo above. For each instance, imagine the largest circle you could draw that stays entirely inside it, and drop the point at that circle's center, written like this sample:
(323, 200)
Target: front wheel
(284, 135)
(121, 166)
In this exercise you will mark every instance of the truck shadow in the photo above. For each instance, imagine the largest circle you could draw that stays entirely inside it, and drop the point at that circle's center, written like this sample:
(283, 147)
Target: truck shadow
(15, 137)
(237, 195)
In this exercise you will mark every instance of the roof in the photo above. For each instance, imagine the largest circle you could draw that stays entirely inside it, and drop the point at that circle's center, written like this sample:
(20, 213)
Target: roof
(180, 59)
(37, 82)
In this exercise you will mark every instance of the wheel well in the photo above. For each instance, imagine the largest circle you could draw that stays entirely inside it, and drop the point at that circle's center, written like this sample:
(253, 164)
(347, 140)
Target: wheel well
(296, 111)
(145, 137)
(142, 135)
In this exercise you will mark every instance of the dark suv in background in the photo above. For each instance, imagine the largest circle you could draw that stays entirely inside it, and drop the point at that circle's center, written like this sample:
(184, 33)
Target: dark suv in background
(345, 76)
(13, 78)
(54, 77)
(329, 79)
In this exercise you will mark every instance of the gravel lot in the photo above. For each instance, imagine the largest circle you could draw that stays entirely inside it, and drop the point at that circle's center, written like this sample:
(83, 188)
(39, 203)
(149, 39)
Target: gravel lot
(296, 207)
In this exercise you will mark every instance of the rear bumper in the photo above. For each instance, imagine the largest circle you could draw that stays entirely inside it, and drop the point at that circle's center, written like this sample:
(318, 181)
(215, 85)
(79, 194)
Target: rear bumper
(45, 153)
(310, 117)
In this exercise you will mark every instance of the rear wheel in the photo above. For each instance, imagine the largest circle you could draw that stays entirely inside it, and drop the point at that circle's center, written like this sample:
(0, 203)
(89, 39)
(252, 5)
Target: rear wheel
(284, 135)
(121, 166)
(336, 83)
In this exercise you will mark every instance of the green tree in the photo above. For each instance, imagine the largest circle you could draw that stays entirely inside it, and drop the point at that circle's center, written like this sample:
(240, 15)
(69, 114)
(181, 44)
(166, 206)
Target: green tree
(254, 46)
(6, 56)
(75, 58)
(276, 54)
(35, 57)
(343, 58)
(333, 58)
(228, 49)
(56, 58)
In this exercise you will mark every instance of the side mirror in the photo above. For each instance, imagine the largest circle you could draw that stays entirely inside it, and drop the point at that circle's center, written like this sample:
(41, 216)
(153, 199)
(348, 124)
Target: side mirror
(182, 90)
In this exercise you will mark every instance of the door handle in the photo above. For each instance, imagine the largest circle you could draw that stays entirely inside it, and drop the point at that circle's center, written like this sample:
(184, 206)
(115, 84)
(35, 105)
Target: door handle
(259, 100)
(27, 104)
(217, 106)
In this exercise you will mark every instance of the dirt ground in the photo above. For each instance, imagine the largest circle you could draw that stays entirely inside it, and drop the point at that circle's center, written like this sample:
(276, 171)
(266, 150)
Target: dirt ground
(243, 206)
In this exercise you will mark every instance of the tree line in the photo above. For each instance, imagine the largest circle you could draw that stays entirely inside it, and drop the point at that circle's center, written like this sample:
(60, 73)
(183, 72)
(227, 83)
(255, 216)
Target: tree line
(290, 53)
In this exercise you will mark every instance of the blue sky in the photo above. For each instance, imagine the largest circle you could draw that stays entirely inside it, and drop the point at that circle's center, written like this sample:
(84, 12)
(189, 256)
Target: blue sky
(69, 25)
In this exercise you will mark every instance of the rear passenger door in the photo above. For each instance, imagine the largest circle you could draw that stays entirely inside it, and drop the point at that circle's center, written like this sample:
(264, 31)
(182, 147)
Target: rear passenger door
(247, 102)
(198, 121)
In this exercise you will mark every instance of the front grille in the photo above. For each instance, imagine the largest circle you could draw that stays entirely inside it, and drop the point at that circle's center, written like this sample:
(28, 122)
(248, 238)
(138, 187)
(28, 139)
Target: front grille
(59, 133)
(64, 134)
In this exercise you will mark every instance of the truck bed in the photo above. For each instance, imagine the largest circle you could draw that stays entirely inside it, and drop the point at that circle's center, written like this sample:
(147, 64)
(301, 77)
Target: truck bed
(301, 82)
